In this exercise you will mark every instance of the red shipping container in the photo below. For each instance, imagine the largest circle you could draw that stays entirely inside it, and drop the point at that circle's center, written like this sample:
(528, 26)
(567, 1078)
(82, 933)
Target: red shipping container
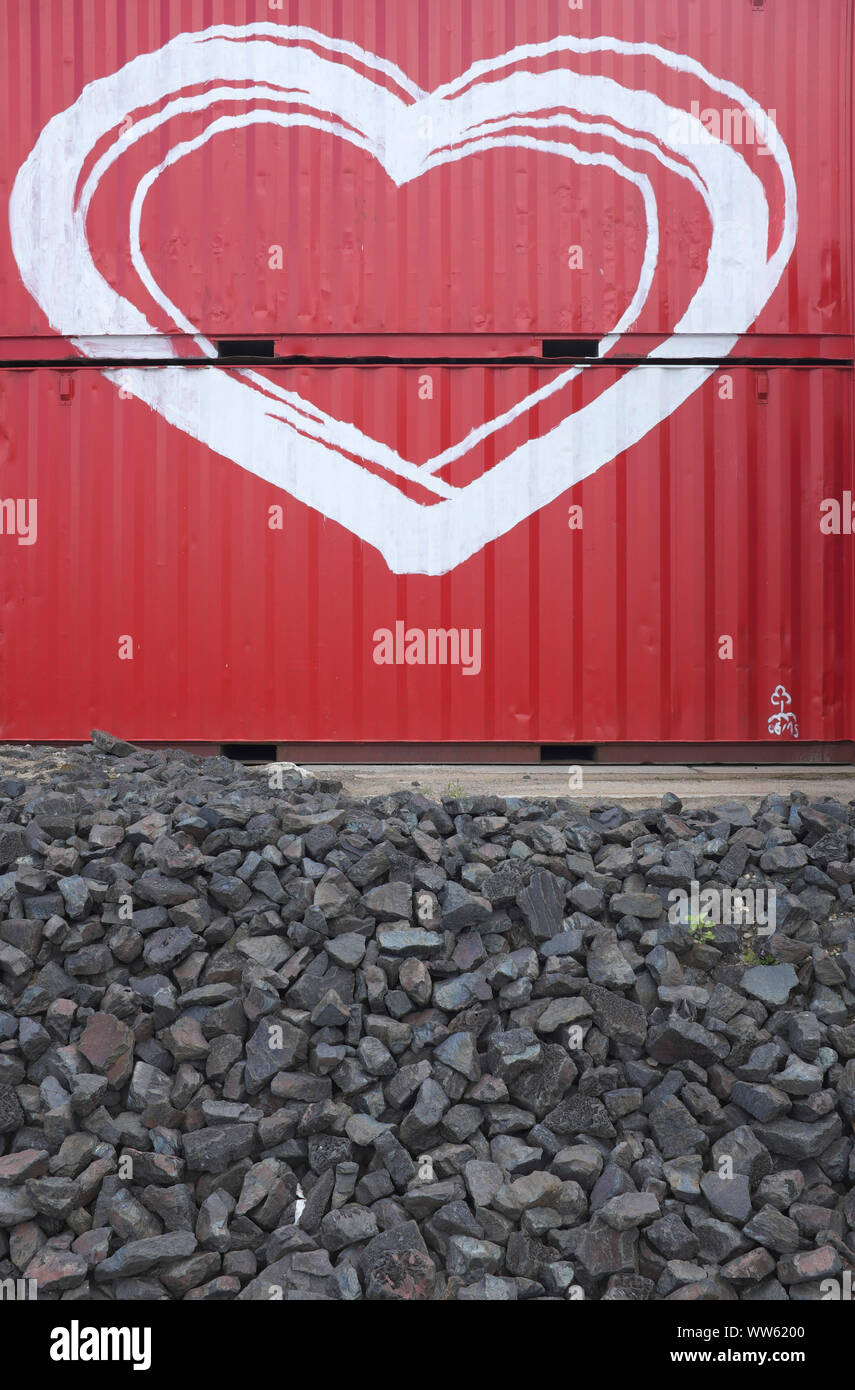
(250, 621)
(647, 541)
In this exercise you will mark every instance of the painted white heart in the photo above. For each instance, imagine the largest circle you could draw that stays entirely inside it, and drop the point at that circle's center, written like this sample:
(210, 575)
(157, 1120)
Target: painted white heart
(279, 435)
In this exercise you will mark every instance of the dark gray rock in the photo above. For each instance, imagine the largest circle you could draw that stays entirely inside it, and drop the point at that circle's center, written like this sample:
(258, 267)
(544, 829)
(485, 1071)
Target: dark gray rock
(276, 1045)
(141, 1256)
(11, 1114)
(683, 1040)
(800, 1141)
(542, 904)
(771, 984)
(397, 1050)
(215, 1148)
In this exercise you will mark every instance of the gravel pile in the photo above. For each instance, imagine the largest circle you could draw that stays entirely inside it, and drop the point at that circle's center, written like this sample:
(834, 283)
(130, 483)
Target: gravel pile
(261, 1042)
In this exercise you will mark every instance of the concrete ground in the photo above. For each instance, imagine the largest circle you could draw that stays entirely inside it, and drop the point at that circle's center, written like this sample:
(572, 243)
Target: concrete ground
(633, 787)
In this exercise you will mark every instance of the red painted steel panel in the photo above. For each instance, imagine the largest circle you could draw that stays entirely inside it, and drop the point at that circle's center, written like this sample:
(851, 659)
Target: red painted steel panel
(326, 167)
(710, 527)
(359, 196)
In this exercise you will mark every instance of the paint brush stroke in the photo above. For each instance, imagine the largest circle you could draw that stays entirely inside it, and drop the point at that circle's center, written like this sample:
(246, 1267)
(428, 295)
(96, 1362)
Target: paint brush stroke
(305, 451)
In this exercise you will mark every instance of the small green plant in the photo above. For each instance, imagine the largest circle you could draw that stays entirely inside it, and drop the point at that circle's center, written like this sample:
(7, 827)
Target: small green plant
(452, 791)
(701, 929)
(750, 957)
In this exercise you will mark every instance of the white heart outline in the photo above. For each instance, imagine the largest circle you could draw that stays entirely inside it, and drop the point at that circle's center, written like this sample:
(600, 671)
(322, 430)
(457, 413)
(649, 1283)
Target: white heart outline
(233, 416)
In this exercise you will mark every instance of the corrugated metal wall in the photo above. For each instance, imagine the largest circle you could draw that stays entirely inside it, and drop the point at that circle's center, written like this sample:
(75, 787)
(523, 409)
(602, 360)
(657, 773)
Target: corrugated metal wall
(475, 245)
(641, 551)
(708, 528)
